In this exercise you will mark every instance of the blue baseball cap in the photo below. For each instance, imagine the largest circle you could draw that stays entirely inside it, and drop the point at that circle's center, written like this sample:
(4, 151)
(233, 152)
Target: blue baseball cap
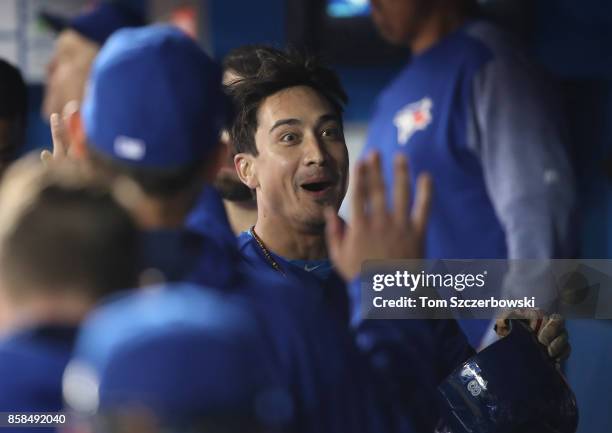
(184, 352)
(98, 23)
(154, 99)
(184, 374)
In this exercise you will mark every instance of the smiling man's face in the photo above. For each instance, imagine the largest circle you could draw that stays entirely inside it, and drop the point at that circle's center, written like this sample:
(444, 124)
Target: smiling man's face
(302, 160)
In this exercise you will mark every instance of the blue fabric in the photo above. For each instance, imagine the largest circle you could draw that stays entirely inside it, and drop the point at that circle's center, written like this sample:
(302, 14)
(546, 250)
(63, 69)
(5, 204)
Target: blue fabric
(501, 191)
(146, 347)
(301, 347)
(172, 252)
(434, 88)
(313, 347)
(322, 269)
(327, 286)
(208, 217)
(99, 22)
(154, 99)
(102, 21)
(407, 358)
(431, 348)
(32, 363)
(588, 372)
(441, 75)
(204, 250)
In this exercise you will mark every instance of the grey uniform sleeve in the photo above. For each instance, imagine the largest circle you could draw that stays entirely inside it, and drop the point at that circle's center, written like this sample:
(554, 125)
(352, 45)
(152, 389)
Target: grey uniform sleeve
(517, 132)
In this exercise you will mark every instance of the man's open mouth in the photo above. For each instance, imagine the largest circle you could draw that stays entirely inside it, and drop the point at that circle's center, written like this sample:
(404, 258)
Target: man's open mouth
(317, 186)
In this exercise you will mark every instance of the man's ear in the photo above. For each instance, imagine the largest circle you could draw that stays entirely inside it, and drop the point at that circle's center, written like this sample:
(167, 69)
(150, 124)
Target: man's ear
(245, 167)
(75, 131)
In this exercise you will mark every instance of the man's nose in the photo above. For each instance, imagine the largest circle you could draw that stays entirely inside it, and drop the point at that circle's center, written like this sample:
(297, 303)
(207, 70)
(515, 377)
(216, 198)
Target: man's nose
(314, 152)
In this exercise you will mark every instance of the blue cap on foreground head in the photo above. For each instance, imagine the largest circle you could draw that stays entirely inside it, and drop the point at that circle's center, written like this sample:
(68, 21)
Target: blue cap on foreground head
(183, 353)
(154, 99)
(98, 23)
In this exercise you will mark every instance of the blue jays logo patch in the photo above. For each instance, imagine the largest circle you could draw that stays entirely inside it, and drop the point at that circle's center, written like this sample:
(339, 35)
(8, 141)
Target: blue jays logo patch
(412, 118)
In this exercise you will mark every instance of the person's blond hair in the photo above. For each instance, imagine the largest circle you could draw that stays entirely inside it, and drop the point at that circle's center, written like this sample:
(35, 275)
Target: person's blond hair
(61, 229)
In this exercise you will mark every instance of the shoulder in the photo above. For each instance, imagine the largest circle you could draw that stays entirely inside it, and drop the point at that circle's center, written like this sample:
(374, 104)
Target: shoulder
(31, 371)
(37, 344)
(462, 54)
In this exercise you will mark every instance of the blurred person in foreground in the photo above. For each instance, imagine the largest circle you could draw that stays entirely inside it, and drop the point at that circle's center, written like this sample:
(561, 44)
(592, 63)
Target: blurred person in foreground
(65, 243)
(288, 132)
(163, 134)
(78, 42)
(13, 113)
(470, 109)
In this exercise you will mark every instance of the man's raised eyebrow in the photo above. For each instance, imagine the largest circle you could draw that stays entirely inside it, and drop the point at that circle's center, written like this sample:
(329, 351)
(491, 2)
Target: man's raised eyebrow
(284, 122)
(327, 118)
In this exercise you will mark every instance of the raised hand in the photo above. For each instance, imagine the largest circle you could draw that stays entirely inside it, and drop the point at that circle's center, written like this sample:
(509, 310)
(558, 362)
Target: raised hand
(59, 134)
(375, 232)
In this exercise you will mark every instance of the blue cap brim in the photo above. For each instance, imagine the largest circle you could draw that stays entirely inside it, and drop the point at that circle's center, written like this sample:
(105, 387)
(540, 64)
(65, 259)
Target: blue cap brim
(52, 21)
(97, 24)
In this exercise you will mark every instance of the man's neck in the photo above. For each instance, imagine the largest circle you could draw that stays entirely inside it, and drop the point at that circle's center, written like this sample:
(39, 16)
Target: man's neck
(284, 240)
(435, 28)
(61, 310)
(242, 215)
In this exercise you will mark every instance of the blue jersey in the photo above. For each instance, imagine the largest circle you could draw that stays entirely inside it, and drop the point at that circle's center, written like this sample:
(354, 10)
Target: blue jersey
(327, 286)
(407, 358)
(203, 247)
(208, 217)
(475, 114)
(32, 363)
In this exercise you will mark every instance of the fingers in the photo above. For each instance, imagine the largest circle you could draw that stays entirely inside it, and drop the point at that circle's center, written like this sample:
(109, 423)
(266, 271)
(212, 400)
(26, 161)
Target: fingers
(502, 327)
(560, 349)
(533, 317)
(360, 193)
(57, 135)
(401, 189)
(370, 193)
(376, 187)
(552, 328)
(422, 204)
(70, 108)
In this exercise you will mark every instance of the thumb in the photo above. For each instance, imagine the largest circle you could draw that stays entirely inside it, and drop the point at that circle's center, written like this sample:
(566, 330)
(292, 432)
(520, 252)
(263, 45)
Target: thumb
(57, 135)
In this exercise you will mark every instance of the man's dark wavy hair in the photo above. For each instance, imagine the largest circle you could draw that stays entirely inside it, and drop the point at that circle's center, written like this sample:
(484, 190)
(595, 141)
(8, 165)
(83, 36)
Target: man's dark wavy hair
(278, 70)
